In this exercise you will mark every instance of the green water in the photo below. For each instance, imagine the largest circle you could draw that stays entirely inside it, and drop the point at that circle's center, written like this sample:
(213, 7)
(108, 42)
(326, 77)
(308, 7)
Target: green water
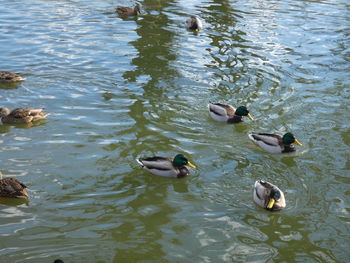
(118, 88)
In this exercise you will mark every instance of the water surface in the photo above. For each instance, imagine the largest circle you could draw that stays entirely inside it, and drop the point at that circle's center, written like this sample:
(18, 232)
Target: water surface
(118, 88)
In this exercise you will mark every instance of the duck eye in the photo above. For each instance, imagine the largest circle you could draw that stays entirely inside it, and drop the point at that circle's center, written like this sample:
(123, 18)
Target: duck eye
(277, 195)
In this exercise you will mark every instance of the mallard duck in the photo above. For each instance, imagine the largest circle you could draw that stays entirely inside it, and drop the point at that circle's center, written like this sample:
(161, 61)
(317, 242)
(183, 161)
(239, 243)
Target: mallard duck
(274, 143)
(21, 115)
(268, 196)
(129, 11)
(10, 77)
(11, 187)
(167, 167)
(227, 113)
(194, 23)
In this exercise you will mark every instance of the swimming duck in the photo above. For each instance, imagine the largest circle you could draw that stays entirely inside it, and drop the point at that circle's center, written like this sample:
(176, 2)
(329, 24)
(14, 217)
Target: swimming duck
(274, 143)
(167, 167)
(227, 113)
(268, 196)
(194, 23)
(129, 11)
(21, 115)
(10, 77)
(11, 187)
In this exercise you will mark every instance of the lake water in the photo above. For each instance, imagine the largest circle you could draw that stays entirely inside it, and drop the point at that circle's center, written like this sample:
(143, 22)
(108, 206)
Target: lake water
(118, 88)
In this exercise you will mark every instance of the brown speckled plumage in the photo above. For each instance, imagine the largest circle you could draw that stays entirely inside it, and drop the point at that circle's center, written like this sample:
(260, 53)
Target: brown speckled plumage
(7, 76)
(11, 187)
(21, 115)
(129, 11)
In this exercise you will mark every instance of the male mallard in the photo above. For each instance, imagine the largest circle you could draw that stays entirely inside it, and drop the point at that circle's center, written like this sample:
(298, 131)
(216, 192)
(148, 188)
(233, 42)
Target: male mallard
(274, 143)
(167, 167)
(194, 23)
(268, 196)
(227, 113)
(10, 77)
(129, 11)
(21, 115)
(11, 187)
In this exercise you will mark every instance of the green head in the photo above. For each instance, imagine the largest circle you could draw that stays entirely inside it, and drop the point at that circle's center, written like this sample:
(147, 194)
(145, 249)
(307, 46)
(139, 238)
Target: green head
(243, 111)
(180, 160)
(289, 138)
(275, 195)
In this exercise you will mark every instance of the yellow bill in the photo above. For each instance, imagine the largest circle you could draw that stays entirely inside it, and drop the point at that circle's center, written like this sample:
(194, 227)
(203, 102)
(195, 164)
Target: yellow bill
(250, 117)
(299, 143)
(191, 165)
(271, 203)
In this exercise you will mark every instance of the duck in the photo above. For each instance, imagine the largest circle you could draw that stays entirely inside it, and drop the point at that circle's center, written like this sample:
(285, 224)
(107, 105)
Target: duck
(227, 113)
(21, 115)
(268, 196)
(58, 261)
(167, 167)
(194, 23)
(8, 76)
(275, 143)
(129, 11)
(11, 187)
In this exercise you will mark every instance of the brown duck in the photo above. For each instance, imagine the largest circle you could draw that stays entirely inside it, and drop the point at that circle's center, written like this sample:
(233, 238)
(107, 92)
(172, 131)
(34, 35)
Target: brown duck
(7, 76)
(21, 115)
(129, 11)
(11, 187)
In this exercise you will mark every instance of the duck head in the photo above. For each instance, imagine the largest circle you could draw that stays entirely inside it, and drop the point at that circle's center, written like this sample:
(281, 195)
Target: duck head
(180, 160)
(243, 111)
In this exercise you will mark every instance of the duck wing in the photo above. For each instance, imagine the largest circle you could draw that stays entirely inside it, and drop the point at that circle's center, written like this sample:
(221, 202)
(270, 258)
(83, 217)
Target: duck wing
(221, 109)
(267, 138)
(11, 187)
(159, 163)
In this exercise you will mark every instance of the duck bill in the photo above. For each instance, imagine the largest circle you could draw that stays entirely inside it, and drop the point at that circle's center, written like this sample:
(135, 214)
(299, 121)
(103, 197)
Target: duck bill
(270, 204)
(298, 142)
(191, 165)
(250, 117)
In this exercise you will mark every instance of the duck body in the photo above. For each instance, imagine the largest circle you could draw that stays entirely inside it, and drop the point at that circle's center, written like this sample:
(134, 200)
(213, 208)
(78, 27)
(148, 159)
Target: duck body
(268, 196)
(227, 113)
(21, 115)
(274, 143)
(8, 76)
(129, 11)
(194, 23)
(167, 167)
(11, 187)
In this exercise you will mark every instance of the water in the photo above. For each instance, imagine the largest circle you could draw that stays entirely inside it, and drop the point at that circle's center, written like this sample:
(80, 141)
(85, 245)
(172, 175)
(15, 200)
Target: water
(119, 88)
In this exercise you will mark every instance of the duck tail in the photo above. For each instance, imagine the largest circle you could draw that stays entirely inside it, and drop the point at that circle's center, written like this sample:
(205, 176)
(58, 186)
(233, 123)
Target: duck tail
(138, 160)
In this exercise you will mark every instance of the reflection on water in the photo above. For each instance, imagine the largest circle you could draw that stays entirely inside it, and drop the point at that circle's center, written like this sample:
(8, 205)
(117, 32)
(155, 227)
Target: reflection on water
(118, 88)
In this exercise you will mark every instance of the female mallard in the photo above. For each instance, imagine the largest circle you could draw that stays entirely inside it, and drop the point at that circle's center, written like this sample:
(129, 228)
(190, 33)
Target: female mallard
(167, 167)
(21, 115)
(10, 77)
(129, 11)
(227, 113)
(11, 187)
(268, 196)
(194, 23)
(274, 143)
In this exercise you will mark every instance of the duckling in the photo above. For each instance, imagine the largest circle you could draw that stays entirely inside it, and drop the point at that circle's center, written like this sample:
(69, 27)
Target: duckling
(268, 196)
(194, 23)
(7, 76)
(129, 11)
(167, 167)
(227, 113)
(11, 187)
(21, 115)
(274, 143)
